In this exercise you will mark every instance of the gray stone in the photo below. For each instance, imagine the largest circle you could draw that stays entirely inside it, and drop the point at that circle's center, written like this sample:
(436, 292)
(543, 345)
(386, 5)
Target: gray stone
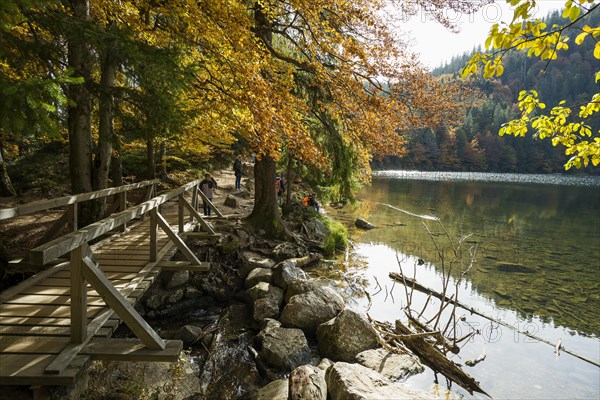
(265, 308)
(192, 293)
(301, 286)
(263, 290)
(324, 364)
(307, 382)
(251, 260)
(176, 279)
(309, 310)
(276, 390)
(231, 201)
(188, 334)
(154, 302)
(363, 224)
(395, 367)
(356, 382)
(287, 272)
(283, 348)
(286, 250)
(343, 337)
(315, 229)
(258, 275)
(175, 296)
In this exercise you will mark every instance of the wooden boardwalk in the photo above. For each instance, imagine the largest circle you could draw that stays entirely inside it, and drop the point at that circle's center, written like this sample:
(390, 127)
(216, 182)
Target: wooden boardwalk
(42, 339)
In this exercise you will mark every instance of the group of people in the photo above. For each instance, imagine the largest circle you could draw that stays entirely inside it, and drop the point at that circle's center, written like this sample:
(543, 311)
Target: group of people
(208, 185)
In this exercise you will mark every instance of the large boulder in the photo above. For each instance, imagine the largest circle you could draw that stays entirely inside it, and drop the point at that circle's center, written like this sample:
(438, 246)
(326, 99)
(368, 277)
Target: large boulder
(307, 382)
(263, 290)
(171, 280)
(265, 308)
(188, 334)
(355, 382)
(361, 223)
(301, 286)
(276, 390)
(395, 367)
(309, 310)
(343, 337)
(283, 348)
(287, 272)
(258, 275)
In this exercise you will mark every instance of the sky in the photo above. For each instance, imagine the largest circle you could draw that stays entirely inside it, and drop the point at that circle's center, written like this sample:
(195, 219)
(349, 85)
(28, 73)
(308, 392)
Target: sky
(437, 45)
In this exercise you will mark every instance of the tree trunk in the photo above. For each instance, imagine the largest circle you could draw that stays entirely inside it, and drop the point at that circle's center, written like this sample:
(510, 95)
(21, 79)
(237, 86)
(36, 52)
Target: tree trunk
(79, 111)
(6, 187)
(265, 214)
(151, 158)
(116, 165)
(106, 116)
(162, 160)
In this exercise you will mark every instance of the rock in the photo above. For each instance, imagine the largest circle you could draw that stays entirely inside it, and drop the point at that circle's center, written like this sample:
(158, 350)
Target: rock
(263, 290)
(513, 267)
(309, 310)
(276, 390)
(140, 309)
(175, 296)
(251, 260)
(304, 286)
(315, 229)
(286, 250)
(231, 201)
(258, 275)
(265, 308)
(363, 224)
(395, 367)
(356, 382)
(324, 364)
(248, 169)
(286, 272)
(154, 302)
(269, 323)
(192, 293)
(188, 334)
(343, 337)
(307, 382)
(175, 279)
(283, 348)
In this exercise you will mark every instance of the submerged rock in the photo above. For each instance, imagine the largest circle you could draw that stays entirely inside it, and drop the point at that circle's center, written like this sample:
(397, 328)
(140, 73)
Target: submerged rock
(514, 267)
(363, 224)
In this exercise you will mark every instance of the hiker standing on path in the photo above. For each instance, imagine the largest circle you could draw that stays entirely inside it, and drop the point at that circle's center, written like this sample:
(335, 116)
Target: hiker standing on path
(237, 168)
(207, 186)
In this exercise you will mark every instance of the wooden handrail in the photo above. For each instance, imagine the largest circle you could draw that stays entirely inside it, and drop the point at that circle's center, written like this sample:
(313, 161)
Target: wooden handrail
(56, 248)
(43, 205)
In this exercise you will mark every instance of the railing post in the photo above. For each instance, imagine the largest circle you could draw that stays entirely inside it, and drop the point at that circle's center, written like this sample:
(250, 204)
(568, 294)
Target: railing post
(78, 297)
(181, 209)
(194, 199)
(123, 207)
(153, 234)
(72, 216)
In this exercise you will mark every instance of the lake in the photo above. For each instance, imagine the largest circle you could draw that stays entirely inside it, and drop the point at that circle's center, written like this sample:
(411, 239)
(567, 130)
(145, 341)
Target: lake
(530, 246)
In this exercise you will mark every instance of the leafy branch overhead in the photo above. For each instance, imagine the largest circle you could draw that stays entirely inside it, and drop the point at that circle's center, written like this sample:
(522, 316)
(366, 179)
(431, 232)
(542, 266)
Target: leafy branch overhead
(564, 124)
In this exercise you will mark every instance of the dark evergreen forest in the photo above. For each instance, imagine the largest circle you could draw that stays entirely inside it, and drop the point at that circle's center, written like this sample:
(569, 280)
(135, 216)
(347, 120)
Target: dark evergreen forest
(475, 145)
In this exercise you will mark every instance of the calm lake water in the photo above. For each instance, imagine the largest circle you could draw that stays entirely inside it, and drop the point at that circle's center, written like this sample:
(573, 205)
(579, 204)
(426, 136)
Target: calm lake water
(536, 246)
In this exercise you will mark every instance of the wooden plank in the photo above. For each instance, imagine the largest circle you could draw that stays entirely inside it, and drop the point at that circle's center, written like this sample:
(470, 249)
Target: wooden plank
(121, 307)
(7, 294)
(28, 369)
(120, 252)
(56, 248)
(111, 275)
(33, 344)
(201, 235)
(42, 310)
(48, 321)
(131, 263)
(65, 200)
(131, 350)
(24, 330)
(125, 256)
(183, 266)
(58, 300)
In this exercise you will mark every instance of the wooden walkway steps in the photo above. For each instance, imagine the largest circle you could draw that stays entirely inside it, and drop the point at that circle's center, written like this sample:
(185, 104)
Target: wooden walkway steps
(53, 324)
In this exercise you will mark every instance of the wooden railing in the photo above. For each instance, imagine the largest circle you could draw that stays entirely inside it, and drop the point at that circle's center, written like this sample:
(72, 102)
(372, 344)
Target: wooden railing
(85, 269)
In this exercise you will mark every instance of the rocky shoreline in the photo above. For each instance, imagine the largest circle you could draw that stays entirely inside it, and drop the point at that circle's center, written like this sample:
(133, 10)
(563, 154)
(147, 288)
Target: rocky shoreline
(258, 326)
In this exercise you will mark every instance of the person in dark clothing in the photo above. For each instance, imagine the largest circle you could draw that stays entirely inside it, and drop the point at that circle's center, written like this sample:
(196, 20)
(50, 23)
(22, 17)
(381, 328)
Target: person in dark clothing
(237, 168)
(279, 188)
(207, 186)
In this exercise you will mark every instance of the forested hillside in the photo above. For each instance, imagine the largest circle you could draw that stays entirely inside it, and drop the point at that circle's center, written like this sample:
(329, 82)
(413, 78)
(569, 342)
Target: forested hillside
(475, 144)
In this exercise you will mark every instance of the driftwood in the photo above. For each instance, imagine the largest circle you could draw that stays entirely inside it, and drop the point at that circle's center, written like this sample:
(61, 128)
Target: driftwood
(436, 360)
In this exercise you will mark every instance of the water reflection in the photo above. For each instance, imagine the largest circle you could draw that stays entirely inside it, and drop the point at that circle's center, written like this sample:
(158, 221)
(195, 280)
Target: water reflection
(538, 245)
